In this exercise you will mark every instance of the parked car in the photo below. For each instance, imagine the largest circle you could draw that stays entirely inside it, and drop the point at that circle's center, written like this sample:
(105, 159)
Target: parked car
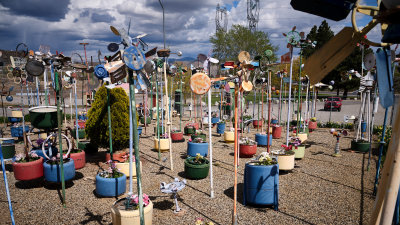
(334, 103)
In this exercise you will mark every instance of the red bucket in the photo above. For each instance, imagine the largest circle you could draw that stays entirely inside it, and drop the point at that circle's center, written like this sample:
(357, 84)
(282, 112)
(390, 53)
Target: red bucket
(276, 132)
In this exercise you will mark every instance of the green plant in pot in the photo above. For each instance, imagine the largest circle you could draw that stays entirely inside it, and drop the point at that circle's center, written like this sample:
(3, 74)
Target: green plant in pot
(190, 129)
(297, 147)
(197, 167)
(125, 211)
(199, 134)
(110, 182)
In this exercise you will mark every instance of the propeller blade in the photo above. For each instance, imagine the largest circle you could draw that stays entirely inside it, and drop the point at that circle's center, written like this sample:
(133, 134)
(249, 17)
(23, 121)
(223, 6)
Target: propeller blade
(115, 31)
(294, 28)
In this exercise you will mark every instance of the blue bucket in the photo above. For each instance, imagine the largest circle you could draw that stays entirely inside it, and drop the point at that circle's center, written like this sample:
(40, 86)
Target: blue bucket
(261, 139)
(18, 132)
(110, 187)
(52, 173)
(363, 127)
(221, 128)
(214, 120)
(194, 148)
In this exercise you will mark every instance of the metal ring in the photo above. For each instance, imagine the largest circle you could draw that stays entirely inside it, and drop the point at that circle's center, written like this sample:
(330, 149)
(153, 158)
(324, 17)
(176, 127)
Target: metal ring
(53, 134)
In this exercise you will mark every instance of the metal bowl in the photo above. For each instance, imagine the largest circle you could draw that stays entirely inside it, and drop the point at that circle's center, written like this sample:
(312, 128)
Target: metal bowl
(44, 117)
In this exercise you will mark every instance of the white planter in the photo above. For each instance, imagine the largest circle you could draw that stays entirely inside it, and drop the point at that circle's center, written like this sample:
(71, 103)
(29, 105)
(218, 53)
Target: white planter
(131, 217)
(286, 162)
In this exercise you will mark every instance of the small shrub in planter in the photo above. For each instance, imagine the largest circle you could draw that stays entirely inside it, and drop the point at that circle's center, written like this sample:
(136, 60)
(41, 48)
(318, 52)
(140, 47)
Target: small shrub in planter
(125, 211)
(110, 182)
(261, 181)
(196, 167)
(27, 167)
(197, 146)
(247, 148)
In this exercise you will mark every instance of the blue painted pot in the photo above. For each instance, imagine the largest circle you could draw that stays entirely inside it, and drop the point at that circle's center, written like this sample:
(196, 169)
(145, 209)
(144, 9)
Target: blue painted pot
(14, 119)
(274, 121)
(261, 139)
(110, 187)
(221, 128)
(52, 173)
(194, 148)
(261, 185)
(39, 152)
(363, 127)
(18, 132)
(140, 130)
(214, 120)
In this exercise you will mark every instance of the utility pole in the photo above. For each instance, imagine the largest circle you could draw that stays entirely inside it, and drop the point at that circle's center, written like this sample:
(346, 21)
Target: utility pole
(88, 89)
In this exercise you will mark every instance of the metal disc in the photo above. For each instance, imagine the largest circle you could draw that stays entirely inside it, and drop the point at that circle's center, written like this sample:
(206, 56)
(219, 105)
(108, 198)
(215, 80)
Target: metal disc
(200, 83)
(113, 47)
(34, 67)
(134, 58)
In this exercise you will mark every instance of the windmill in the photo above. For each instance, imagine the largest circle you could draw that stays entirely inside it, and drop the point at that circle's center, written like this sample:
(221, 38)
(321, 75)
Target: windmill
(221, 19)
(253, 8)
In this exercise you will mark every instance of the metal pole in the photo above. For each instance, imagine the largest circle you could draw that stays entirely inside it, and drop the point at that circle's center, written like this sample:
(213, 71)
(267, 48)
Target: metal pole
(234, 216)
(59, 119)
(6, 185)
(211, 148)
(168, 116)
(280, 102)
(46, 99)
(269, 108)
(290, 95)
(136, 146)
(158, 118)
(109, 123)
(76, 115)
(298, 99)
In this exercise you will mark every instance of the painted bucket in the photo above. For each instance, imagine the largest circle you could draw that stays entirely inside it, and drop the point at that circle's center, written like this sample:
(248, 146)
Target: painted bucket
(194, 148)
(52, 173)
(43, 117)
(261, 139)
(221, 128)
(110, 187)
(29, 170)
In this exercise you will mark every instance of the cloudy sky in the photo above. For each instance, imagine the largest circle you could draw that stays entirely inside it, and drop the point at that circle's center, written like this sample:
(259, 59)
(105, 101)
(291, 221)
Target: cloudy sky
(63, 24)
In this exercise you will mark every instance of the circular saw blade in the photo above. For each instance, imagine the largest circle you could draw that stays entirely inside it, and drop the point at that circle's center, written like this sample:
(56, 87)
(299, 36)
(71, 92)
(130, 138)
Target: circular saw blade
(369, 61)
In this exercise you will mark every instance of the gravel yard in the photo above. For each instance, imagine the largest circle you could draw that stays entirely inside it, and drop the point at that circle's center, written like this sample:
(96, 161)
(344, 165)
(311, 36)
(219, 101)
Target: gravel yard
(320, 190)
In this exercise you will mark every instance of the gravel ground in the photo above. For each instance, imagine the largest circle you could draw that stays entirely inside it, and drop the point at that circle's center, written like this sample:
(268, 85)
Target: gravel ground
(320, 190)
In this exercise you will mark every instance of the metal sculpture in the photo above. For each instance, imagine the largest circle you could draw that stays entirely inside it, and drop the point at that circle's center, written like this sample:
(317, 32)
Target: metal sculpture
(173, 188)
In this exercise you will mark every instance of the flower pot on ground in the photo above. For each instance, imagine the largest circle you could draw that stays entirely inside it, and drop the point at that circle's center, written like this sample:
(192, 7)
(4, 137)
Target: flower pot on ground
(8, 151)
(196, 167)
(247, 148)
(189, 130)
(199, 134)
(123, 167)
(274, 121)
(7, 141)
(261, 182)
(197, 146)
(262, 140)
(257, 123)
(81, 133)
(164, 144)
(313, 124)
(27, 168)
(285, 158)
(296, 146)
(118, 156)
(52, 169)
(302, 137)
(127, 213)
(17, 131)
(276, 132)
(214, 120)
(148, 121)
(221, 127)
(110, 182)
(79, 158)
(176, 135)
(360, 145)
(88, 147)
(229, 136)
(140, 129)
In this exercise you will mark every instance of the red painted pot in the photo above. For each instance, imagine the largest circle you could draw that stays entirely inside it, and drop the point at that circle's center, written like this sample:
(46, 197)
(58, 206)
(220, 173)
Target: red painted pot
(28, 170)
(276, 132)
(178, 136)
(79, 159)
(116, 156)
(247, 151)
(81, 123)
(257, 123)
(312, 125)
(196, 125)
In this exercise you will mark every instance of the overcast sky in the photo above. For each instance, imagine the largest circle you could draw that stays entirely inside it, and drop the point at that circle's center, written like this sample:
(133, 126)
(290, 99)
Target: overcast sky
(63, 24)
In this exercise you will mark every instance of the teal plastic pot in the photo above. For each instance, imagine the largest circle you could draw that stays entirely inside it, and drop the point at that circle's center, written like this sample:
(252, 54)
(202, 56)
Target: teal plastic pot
(8, 150)
(44, 117)
(196, 172)
(81, 133)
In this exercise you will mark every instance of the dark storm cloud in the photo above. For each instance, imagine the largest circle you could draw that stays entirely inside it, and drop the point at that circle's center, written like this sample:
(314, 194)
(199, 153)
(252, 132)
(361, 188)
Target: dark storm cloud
(49, 10)
(102, 17)
(179, 6)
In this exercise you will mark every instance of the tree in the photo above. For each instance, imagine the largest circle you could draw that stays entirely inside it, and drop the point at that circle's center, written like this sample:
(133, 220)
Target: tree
(227, 46)
(97, 124)
(323, 34)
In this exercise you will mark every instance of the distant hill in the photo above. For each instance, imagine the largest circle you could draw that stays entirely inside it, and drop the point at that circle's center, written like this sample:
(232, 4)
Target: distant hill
(183, 59)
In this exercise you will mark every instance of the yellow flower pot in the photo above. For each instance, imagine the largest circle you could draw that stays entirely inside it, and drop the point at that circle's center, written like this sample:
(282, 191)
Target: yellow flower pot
(229, 136)
(286, 162)
(302, 137)
(131, 217)
(124, 168)
(164, 144)
(16, 113)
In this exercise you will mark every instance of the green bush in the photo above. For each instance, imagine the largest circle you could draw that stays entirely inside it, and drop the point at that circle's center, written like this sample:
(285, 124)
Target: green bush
(97, 123)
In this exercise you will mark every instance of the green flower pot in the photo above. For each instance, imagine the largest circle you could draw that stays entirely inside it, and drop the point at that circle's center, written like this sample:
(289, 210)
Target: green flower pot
(8, 150)
(189, 130)
(299, 152)
(360, 146)
(202, 136)
(81, 133)
(196, 172)
(148, 121)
